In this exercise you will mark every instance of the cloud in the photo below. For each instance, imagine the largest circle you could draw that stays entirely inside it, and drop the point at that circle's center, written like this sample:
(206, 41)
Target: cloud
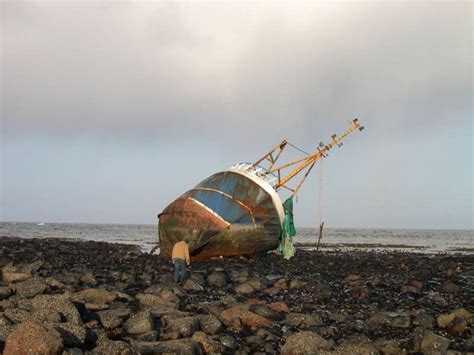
(171, 68)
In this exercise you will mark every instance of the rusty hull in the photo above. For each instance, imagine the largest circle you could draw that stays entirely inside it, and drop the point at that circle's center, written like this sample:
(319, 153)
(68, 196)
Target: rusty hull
(231, 213)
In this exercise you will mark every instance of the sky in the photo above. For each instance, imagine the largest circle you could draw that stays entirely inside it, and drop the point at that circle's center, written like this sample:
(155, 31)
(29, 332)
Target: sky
(111, 109)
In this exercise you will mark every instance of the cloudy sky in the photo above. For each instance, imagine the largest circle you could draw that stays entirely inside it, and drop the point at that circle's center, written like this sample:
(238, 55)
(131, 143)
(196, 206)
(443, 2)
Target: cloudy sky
(111, 109)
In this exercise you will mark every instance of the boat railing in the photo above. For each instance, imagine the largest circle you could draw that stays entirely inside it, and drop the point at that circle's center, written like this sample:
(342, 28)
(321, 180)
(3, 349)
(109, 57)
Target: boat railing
(258, 171)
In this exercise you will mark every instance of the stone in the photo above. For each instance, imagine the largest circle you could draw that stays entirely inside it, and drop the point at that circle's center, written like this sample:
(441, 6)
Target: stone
(241, 276)
(89, 279)
(244, 288)
(33, 338)
(228, 341)
(217, 279)
(11, 274)
(459, 326)
(184, 326)
(107, 347)
(265, 311)
(210, 324)
(46, 315)
(239, 315)
(256, 283)
(451, 287)
(227, 300)
(152, 335)
(389, 347)
(16, 315)
(303, 321)
(110, 319)
(60, 304)
(192, 285)
(72, 334)
(392, 319)
(282, 283)
(468, 344)
(272, 291)
(179, 346)
(305, 342)
(6, 327)
(153, 301)
(432, 342)
(207, 344)
(360, 349)
(198, 278)
(353, 280)
(5, 292)
(296, 284)
(72, 351)
(139, 323)
(52, 282)
(30, 288)
(444, 320)
(94, 295)
(280, 307)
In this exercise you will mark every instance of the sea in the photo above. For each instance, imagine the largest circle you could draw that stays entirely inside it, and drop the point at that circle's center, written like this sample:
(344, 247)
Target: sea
(146, 236)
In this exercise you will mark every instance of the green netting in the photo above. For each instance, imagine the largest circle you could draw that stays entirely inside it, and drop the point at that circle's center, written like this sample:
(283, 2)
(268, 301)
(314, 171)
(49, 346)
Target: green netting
(286, 247)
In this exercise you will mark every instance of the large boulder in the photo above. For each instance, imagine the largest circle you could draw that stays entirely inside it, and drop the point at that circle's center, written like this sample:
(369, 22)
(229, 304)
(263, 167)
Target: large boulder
(33, 338)
(95, 296)
(30, 288)
(60, 304)
(139, 323)
(305, 342)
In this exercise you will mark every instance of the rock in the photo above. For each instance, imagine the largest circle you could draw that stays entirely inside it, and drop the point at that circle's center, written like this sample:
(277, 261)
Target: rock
(392, 319)
(192, 285)
(281, 283)
(11, 274)
(60, 304)
(245, 288)
(153, 301)
(33, 338)
(179, 346)
(463, 313)
(296, 284)
(450, 287)
(305, 342)
(432, 342)
(459, 326)
(467, 346)
(303, 321)
(139, 323)
(389, 347)
(109, 319)
(6, 327)
(217, 279)
(152, 335)
(353, 280)
(96, 307)
(72, 351)
(52, 282)
(360, 349)
(265, 311)
(410, 289)
(107, 347)
(184, 326)
(444, 320)
(359, 293)
(228, 341)
(210, 324)
(169, 296)
(5, 292)
(239, 314)
(46, 315)
(94, 295)
(16, 315)
(72, 334)
(241, 276)
(424, 321)
(30, 288)
(279, 307)
(227, 300)
(88, 279)
(207, 344)
(272, 291)
(198, 278)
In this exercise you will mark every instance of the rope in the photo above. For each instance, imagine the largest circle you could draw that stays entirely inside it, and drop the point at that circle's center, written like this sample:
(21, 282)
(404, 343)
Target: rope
(301, 150)
(320, 209)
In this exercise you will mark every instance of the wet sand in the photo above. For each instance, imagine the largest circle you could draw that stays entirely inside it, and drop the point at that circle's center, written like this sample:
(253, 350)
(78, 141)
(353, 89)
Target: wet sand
(111, 298)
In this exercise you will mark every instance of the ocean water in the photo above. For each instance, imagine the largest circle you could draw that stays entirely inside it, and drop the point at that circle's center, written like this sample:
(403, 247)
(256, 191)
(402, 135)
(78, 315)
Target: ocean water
(146, 236)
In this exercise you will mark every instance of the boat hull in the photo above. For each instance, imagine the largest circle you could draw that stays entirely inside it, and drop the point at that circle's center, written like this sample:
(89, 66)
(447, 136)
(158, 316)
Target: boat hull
(231, 213)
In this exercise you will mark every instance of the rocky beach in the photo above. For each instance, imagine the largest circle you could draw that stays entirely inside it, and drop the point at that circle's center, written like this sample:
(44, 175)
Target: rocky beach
(74, 297)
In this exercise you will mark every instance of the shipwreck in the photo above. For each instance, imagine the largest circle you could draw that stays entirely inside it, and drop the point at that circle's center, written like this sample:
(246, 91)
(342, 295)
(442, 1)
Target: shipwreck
(238, 211)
